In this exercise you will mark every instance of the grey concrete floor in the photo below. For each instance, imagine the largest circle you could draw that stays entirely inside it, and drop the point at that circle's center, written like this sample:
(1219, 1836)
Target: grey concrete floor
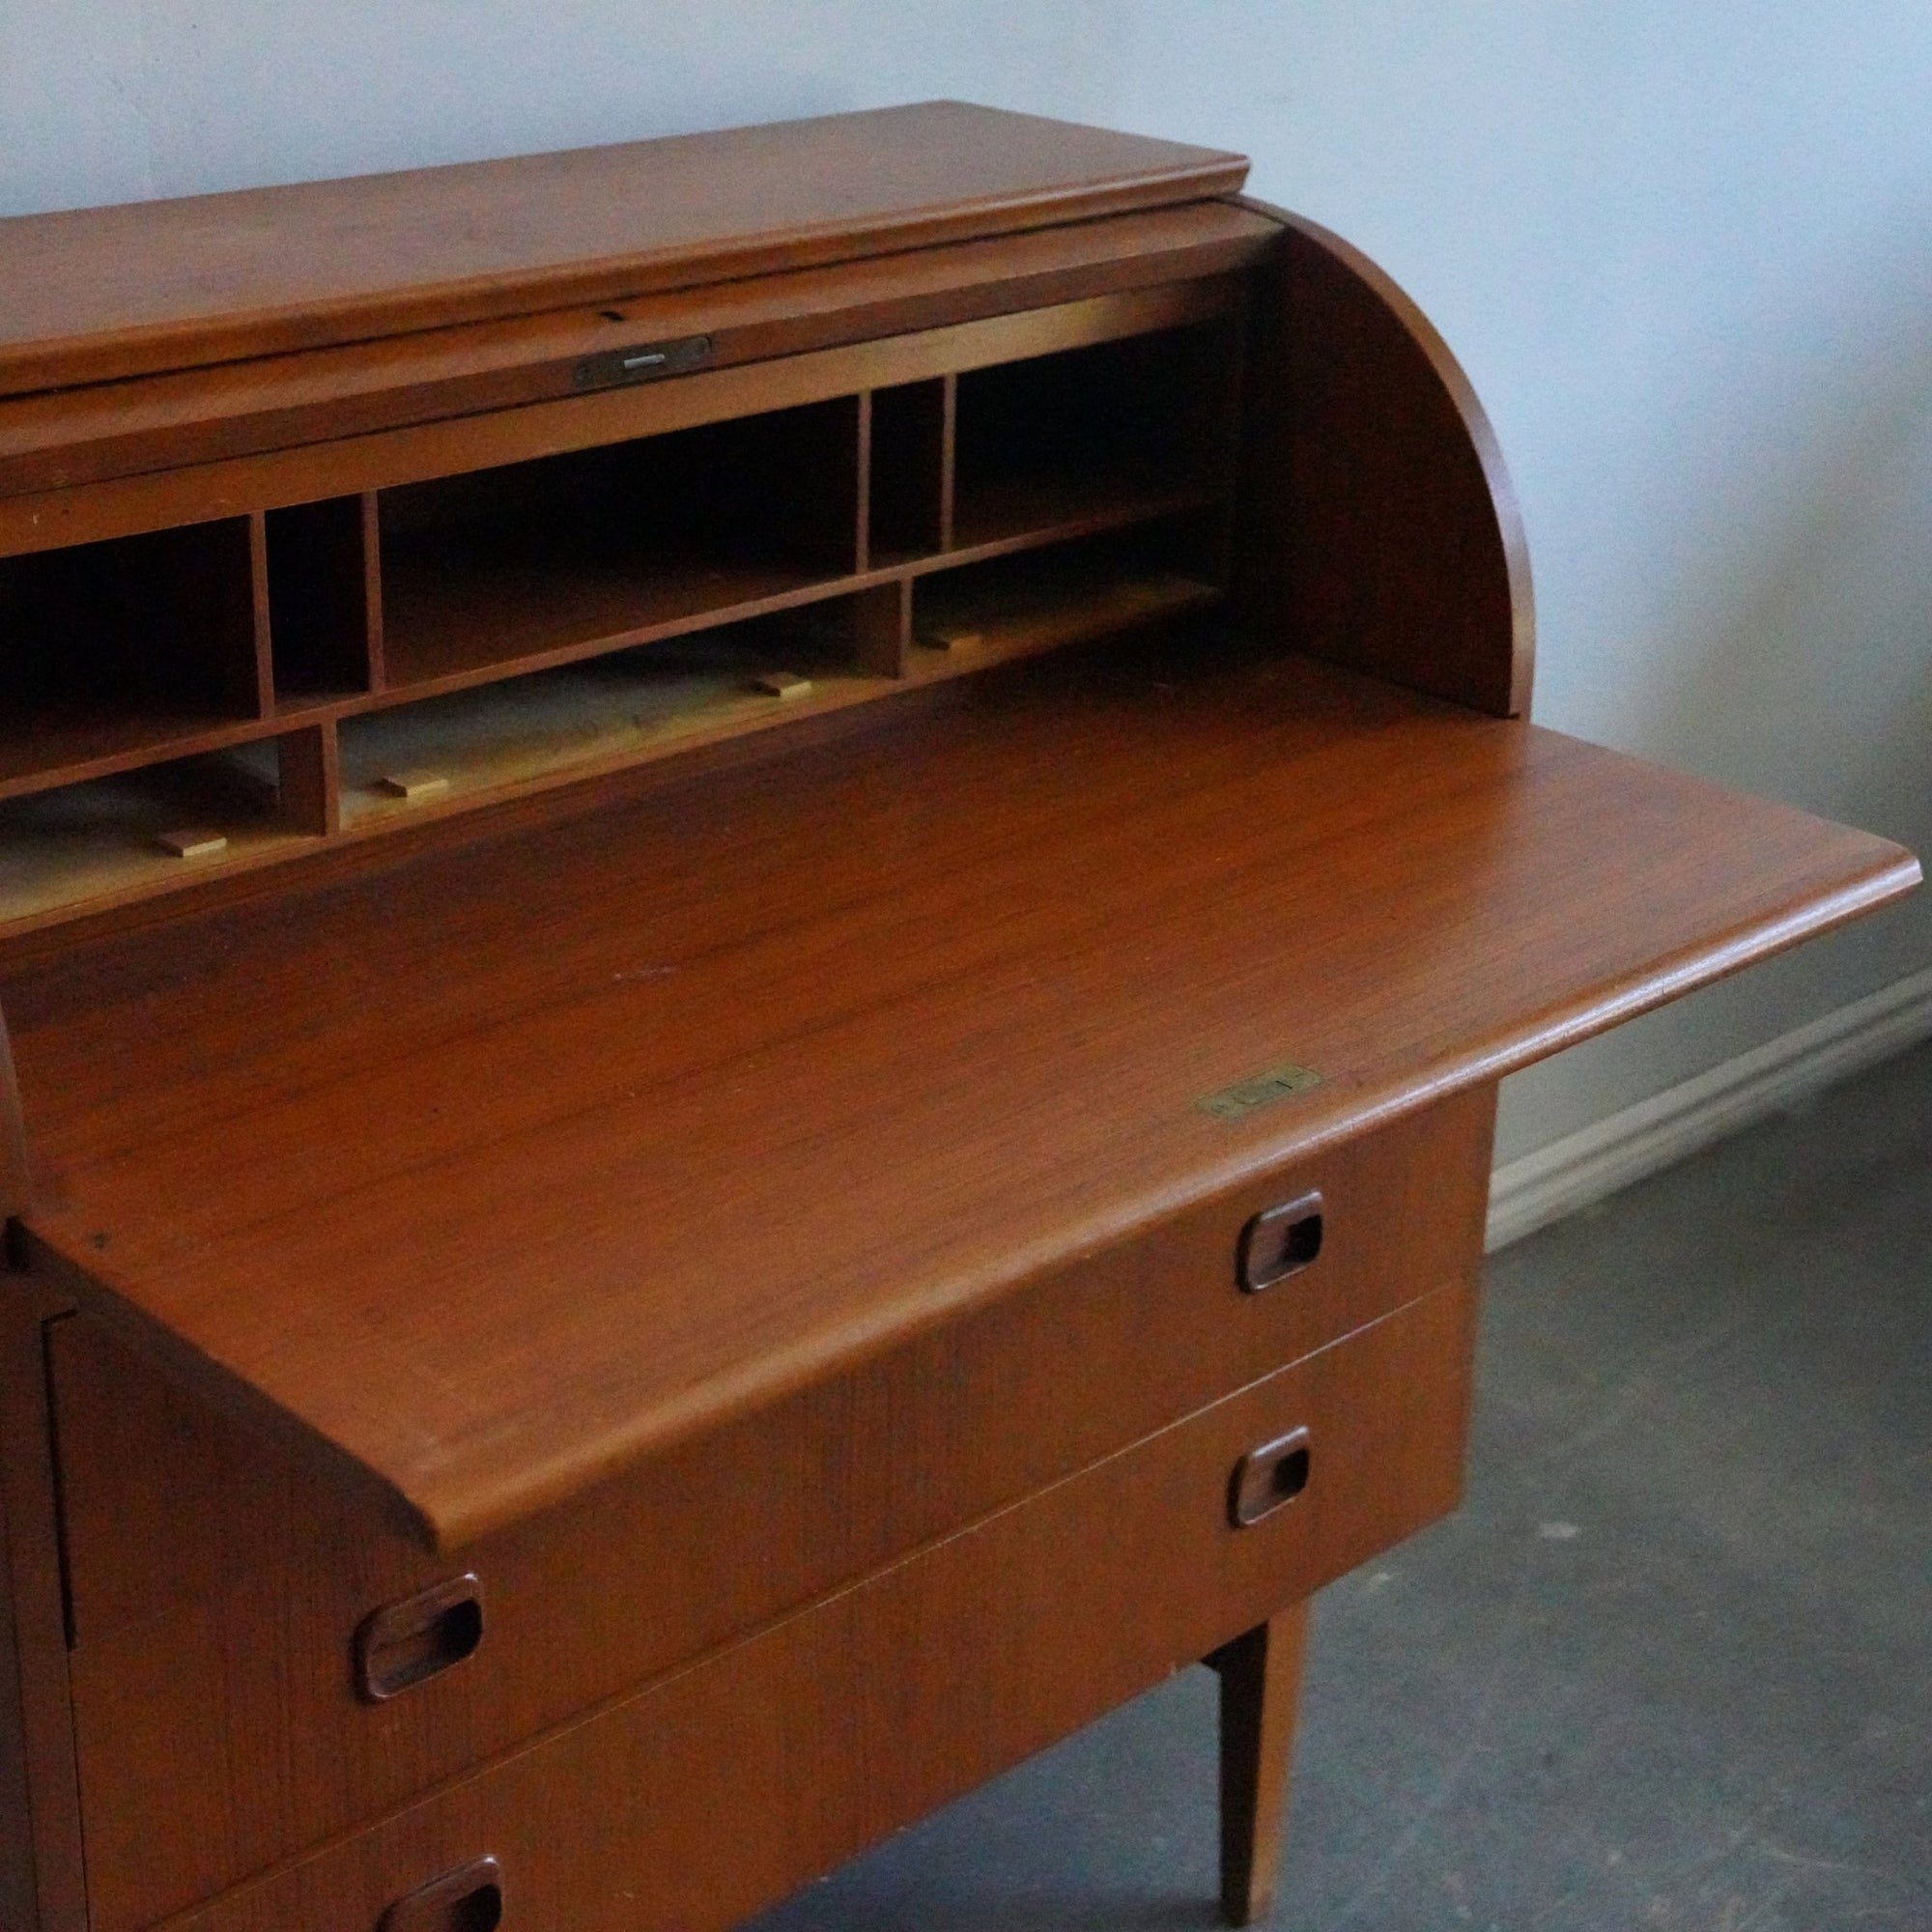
(1670, 1666)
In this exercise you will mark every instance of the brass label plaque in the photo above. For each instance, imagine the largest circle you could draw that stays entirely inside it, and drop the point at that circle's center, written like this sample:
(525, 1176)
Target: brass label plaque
(1263, 1090)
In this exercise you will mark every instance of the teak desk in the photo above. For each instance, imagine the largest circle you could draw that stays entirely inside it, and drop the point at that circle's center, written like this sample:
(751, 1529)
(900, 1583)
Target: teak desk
(759, 901)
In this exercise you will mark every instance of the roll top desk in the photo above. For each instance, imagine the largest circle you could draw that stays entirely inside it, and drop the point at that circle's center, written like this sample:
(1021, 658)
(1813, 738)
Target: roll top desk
(759, 901)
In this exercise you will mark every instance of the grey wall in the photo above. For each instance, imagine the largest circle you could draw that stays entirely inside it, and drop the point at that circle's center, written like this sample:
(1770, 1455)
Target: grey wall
(1684, 248)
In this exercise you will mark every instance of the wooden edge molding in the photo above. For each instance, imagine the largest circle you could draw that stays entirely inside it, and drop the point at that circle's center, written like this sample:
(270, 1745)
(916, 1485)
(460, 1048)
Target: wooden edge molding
(14, 1189)
(265, 271)
(1396, 545)
(42, 1871)
(58, 439)
(58, 1281)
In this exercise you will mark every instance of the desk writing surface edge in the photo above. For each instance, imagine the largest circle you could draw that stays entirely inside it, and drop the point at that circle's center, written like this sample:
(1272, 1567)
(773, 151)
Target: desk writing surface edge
(453, 1491)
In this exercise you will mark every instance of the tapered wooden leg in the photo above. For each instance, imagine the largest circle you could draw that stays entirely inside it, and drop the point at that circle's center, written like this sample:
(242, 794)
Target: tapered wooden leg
(1260, 1685)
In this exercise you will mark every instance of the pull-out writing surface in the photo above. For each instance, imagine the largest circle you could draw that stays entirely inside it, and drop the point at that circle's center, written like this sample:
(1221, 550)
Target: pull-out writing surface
(765, 1076)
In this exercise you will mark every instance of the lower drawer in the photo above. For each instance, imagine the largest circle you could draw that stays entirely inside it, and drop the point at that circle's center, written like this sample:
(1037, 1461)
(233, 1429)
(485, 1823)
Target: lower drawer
(737, 1779)
(218, 1584)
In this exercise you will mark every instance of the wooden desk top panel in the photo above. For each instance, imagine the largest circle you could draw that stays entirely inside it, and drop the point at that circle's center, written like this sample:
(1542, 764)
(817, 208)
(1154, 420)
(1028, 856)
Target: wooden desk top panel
(489, 1173)
(95, 294)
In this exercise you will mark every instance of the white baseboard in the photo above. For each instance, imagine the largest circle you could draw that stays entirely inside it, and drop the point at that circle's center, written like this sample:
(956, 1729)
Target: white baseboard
(1584, 1167)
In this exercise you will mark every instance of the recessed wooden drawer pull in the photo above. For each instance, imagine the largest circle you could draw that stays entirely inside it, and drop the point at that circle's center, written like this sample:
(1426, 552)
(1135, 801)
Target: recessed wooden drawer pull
(403, 1644)
(1267, 1477)
(467, 1899)
(1279, 1242)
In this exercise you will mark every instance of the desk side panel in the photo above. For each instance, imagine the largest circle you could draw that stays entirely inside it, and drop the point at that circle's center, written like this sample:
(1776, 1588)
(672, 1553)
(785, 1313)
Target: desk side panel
(1380, 530)
(42, 1879)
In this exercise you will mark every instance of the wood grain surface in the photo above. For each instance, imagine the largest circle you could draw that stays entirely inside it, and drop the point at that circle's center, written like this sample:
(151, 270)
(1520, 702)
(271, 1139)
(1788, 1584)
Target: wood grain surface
(729, 1785)
(781, 1066)
(97, 293)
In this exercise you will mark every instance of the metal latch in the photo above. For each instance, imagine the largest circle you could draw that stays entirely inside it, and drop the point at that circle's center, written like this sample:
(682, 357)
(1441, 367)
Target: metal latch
(642, 362)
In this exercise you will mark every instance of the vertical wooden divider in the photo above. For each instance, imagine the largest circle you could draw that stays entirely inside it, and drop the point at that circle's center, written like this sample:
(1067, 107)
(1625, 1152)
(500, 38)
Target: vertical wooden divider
(309, 779)
(1232, 371)
(322, 613)
(882, 628)
(908, 460)
(372, 589)
(862, 558)
(258, 594)
(948, 454)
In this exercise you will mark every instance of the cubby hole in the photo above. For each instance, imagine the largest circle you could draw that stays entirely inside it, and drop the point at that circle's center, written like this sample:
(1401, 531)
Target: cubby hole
(322, 609)
(910, 484)
(621, 707)
(1037, 600)
(155, 826)
(1094, 437)
(605, 547)
(121, 646)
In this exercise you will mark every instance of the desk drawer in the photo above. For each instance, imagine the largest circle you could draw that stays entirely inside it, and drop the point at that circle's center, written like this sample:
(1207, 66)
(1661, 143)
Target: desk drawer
(734, 1781)
(218, 1585)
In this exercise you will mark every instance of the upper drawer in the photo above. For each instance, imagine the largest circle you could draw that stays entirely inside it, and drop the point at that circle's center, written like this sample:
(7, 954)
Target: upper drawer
(217, 1587)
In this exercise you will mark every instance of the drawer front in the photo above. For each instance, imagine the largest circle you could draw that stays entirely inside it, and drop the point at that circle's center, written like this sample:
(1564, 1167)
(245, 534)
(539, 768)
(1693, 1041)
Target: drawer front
(218, 1586)
(732, 1782)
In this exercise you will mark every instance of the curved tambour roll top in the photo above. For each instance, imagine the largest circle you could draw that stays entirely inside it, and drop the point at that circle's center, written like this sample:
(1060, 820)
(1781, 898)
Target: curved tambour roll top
(96, 295)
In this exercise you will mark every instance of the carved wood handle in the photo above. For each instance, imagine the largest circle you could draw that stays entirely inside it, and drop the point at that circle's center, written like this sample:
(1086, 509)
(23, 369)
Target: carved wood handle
(1279, 1242)
(405, 1644)
(1267, 1477)
(467, 1899)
